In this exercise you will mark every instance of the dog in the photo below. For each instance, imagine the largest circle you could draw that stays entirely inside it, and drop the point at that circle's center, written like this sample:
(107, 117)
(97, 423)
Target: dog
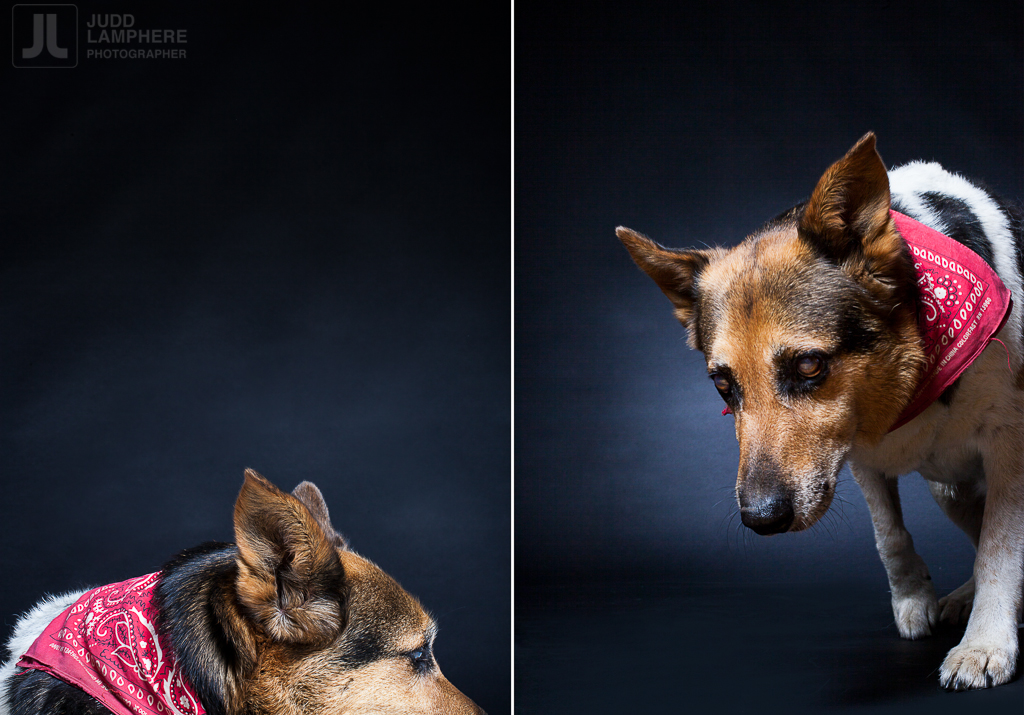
(287, 621)
(819, 333)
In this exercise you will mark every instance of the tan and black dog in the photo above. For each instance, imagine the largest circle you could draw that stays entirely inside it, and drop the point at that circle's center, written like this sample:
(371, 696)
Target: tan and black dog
(810, 329)
(290, 621)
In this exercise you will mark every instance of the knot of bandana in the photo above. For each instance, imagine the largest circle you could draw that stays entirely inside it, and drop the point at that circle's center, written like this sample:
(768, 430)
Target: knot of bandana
(106, 644)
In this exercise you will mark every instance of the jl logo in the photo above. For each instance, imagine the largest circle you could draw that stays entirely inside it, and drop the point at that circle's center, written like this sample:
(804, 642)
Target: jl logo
(44, 35)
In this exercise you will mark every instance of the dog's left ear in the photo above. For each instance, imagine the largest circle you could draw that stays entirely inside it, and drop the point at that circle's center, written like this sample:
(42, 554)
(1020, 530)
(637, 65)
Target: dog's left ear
(676, 273)
(290, 578)
(310, 495)
(847, 216)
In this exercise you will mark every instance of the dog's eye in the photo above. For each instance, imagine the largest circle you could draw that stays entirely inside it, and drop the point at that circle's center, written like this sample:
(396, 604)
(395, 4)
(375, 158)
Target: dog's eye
(810, 365)
(722, 383)
(421, 658)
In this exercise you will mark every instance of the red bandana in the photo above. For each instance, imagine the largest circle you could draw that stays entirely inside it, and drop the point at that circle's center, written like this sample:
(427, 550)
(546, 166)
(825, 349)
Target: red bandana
(963, 305)
(107, 645)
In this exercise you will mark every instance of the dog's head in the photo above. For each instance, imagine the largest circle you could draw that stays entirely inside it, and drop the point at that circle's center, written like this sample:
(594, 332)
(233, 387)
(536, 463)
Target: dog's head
(315, 627)
(810, 334)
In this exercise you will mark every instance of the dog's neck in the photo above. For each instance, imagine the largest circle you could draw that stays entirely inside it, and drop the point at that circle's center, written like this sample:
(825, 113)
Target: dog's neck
(190, 587)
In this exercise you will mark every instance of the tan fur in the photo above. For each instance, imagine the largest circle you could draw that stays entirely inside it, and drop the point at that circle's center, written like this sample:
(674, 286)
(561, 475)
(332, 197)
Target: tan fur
(756, 309)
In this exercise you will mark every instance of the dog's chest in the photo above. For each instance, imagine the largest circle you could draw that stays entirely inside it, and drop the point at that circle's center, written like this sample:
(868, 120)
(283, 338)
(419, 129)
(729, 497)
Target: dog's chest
(920, 448)
(943, 443)
(949, 462)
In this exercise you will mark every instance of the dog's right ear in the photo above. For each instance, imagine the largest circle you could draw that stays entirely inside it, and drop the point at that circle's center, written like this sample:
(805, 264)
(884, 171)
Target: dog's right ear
(290, 578)
(675, 272)
(848, 212)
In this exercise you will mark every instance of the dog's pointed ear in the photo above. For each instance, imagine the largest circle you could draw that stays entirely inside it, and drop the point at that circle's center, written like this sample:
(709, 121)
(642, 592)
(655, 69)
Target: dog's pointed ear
(290, 579)
(849, 209)
(847, 219)
(675, 272)
(308, 494)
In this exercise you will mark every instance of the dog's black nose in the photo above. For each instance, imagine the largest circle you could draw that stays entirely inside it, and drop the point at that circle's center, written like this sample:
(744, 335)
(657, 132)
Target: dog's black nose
(769, 514)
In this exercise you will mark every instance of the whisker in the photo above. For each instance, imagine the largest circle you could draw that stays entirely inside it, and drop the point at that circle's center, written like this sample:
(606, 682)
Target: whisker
(831, 527)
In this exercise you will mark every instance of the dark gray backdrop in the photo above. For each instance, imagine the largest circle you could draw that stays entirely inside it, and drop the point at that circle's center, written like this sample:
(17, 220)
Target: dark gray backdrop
(695, 124)
(287, 251)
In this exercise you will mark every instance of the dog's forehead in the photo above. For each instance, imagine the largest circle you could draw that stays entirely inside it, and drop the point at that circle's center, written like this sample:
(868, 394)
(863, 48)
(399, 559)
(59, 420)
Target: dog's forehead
(770, 292)
(380, 604)
(768, 261)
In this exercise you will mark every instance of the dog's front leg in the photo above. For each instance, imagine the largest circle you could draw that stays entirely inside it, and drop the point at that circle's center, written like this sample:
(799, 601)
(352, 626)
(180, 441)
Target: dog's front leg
(914, 603)
(987, 655)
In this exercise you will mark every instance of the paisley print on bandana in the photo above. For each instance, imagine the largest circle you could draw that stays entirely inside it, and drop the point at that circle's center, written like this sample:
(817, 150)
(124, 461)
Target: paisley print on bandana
(106, 644)
(963, 306)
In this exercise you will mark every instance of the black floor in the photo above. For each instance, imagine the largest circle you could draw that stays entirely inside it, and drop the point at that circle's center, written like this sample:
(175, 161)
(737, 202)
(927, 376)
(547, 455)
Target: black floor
(652, 645)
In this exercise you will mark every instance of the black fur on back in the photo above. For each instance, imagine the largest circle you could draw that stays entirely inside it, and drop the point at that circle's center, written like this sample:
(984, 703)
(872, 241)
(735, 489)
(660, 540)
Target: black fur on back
(186, 617)
(1014, 213)
(962, 225)
(33, 692)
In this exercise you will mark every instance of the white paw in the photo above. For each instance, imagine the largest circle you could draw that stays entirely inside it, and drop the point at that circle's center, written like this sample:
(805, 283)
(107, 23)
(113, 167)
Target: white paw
(914, 603)
(916, 613)
(970, 666)
(955, 608)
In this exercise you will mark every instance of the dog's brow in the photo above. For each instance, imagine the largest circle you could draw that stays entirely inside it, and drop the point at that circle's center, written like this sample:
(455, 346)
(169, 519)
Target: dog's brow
(718, 367)
(787, 352)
